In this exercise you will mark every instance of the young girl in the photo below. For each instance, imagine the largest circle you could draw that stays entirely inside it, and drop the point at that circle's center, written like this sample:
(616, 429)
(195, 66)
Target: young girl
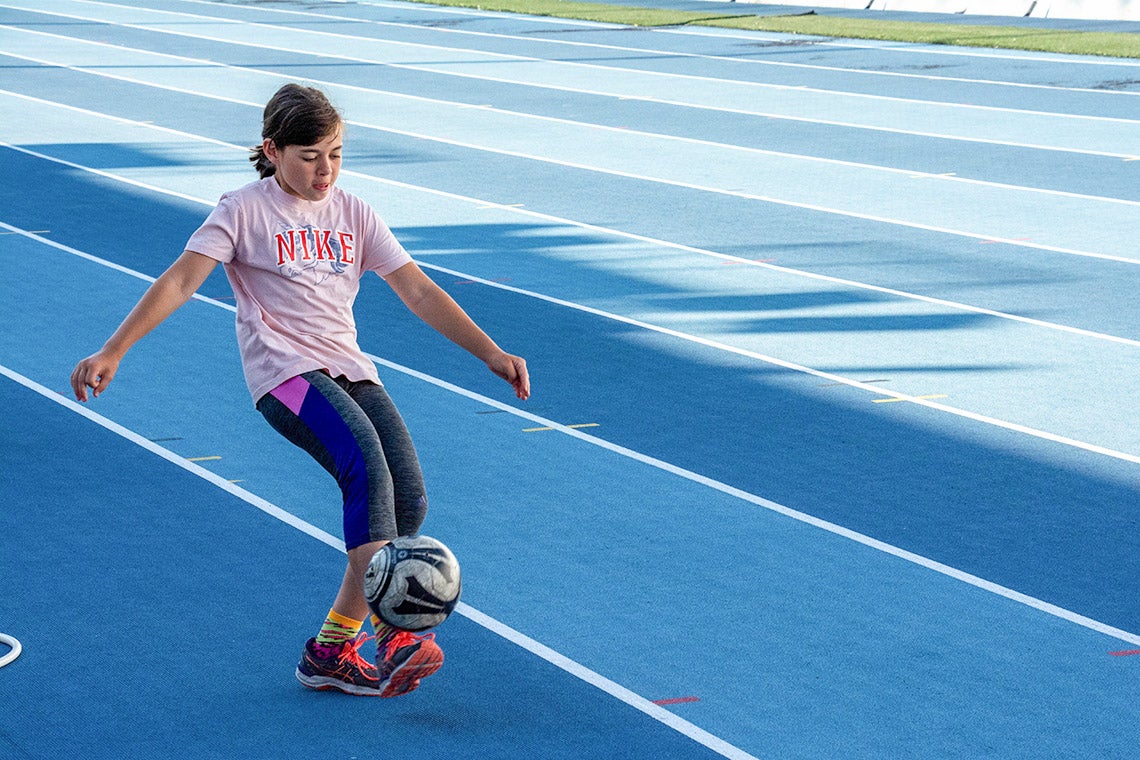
(294, 247)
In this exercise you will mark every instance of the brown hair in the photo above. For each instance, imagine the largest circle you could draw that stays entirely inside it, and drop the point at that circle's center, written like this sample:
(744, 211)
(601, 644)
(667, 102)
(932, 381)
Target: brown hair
(295, 115)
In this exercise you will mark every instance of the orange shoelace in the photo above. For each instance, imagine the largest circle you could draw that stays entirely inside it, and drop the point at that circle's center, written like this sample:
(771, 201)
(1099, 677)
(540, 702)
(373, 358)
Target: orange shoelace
(403, 639)
(350, 653)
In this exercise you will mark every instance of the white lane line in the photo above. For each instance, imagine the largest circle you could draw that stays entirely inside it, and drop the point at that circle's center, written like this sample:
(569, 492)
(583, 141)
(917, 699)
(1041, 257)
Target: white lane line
(830, 377)
(930, 403)
(207, 93)
(634, 700)
(514, 209)
(664, 53)
(802, 517)
(911, 557)
(727, 348)
(623, 132)
(337, 37)
(326, 50)
(884, 45)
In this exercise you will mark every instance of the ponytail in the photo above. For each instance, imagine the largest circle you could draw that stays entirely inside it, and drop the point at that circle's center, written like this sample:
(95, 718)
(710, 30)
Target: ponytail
(261, 162)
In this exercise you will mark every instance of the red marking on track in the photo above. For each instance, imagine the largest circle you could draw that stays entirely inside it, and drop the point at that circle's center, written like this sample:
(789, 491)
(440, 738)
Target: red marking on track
(1125, 653)
(676, 700)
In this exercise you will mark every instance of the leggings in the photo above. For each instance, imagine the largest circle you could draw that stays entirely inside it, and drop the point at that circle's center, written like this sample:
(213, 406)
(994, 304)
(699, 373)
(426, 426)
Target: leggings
(355, 432)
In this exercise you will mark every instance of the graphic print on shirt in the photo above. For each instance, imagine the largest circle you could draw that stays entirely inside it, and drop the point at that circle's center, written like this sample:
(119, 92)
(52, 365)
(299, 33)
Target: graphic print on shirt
(323, 252)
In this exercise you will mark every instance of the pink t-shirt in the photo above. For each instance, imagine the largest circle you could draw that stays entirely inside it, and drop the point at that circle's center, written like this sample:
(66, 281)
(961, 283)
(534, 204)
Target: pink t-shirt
(295, 268)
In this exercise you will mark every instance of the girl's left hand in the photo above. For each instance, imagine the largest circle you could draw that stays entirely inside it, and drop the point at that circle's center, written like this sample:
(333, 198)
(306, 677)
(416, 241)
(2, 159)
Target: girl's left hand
(512, 369)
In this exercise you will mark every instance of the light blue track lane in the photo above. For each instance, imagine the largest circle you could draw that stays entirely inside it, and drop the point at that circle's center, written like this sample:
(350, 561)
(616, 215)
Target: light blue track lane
(1088, 174)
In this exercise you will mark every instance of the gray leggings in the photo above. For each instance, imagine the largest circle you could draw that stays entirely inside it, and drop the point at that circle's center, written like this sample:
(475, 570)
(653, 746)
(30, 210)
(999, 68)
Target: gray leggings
(356, 433)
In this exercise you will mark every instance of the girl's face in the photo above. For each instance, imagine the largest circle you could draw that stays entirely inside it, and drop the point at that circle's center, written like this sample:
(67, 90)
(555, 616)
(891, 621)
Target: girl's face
(307, 171)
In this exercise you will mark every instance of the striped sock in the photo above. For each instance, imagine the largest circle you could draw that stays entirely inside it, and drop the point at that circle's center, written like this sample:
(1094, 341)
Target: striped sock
(383, 631)
(336, 631)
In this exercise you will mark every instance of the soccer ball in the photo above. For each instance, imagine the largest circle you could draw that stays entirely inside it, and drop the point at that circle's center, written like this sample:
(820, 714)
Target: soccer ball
(412, 583)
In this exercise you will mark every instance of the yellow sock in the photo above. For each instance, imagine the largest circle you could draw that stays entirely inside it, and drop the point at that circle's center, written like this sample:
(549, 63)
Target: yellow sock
(338, 629)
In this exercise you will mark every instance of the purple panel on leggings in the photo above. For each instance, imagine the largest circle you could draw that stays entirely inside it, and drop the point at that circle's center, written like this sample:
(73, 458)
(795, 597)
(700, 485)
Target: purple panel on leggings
(291, 393)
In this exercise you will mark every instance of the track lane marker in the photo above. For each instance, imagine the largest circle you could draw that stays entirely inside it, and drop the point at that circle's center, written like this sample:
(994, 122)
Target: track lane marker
(572, 427)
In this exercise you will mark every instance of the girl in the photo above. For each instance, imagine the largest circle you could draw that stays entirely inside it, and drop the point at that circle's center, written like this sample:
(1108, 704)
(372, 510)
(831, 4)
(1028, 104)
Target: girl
(294, 247)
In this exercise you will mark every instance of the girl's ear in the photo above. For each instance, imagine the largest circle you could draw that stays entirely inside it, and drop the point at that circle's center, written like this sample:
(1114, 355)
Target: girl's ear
(269, 148)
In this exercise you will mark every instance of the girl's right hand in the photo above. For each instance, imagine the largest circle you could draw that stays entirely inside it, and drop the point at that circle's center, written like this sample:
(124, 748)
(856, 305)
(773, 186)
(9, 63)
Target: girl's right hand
(161, 299)
(95, 372)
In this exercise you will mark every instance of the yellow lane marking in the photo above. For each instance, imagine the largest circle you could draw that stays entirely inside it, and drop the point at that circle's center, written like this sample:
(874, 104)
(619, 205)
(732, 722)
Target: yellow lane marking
(581, 425)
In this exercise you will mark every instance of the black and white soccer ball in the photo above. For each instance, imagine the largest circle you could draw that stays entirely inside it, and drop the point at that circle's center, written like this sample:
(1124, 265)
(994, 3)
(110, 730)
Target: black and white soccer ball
(412, 583)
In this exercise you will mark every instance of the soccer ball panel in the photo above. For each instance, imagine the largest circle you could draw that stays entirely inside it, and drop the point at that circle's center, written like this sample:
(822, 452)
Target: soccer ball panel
(413, 583)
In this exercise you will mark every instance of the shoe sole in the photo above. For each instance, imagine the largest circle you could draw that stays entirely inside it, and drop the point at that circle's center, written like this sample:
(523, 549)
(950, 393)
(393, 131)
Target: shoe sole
(406, 677)
(329, 683)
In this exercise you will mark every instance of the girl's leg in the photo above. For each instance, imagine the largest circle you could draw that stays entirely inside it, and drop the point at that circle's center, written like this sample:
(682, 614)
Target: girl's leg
(408, 493)
(350, 598)
(408, 500)
(403, 659)
(316, 413)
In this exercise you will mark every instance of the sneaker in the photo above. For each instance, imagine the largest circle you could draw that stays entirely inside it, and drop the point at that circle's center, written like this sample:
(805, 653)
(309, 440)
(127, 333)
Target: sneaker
(404, 660)
(344, 670)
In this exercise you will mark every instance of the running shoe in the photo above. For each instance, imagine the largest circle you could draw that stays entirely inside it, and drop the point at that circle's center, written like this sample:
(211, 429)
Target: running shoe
(344, 669)
(406, 659)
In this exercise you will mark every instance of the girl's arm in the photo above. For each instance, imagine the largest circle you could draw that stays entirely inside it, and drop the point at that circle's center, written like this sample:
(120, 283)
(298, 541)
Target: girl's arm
(430, 303)
(161, 299)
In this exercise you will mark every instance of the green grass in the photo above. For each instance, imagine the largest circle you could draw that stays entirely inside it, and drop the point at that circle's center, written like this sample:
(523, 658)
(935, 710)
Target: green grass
(1120, 45)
